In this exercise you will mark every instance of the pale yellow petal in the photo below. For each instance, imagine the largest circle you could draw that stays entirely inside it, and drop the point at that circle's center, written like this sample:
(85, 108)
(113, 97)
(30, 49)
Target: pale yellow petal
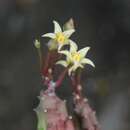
(66, 53)
(70, 70)
(61, 45)
(68, 33)
(50, 35)
(62, 62)
(84, 51)
(76, 66)
(73, 46)
(57, 27)
(87, 61)
(81, 66)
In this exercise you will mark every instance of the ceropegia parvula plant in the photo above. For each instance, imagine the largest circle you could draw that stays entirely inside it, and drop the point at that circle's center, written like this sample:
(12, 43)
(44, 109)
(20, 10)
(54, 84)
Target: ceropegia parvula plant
(52, 111)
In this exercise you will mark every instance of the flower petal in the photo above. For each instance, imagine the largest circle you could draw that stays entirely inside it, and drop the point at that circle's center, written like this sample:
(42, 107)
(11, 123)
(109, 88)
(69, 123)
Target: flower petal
(77, 65)
(50, 35)
(73, 46)
(68, 33)
(70, 70)
(74, 68)
(66, 53)
(81, 66)
(61, 45)
(62, 62)
(83, 51)
(87, 61)
(57, 27)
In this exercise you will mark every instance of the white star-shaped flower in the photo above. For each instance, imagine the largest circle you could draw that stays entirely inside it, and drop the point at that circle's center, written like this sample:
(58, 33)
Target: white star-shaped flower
(75, 59)
(60, 37)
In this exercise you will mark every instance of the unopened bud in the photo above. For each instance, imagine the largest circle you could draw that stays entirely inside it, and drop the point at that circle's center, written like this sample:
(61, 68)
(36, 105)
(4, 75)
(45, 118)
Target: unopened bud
(69, 24)
(37, 44)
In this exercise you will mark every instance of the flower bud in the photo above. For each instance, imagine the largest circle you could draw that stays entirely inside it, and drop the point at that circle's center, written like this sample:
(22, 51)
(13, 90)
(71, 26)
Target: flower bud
(37, 44)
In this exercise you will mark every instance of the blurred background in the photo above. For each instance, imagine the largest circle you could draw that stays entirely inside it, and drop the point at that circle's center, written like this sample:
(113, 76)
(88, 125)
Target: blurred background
(102, 24)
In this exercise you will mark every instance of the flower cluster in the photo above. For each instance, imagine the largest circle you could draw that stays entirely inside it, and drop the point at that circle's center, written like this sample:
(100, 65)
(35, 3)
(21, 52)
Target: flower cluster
(74, 58)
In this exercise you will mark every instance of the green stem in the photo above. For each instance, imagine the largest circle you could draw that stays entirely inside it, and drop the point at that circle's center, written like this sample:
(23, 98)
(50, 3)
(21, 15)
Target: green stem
(40, 57)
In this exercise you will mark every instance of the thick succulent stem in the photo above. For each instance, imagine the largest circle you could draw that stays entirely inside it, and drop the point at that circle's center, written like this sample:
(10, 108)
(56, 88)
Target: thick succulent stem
(52, 113)
(86, 114)
(82, 108)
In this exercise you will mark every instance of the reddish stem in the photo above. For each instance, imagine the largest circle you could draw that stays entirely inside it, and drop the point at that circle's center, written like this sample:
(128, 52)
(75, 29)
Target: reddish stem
(76, 83)
(61, 77)
(49, 67)
(46, 64)
(78, 77)
(73, 81)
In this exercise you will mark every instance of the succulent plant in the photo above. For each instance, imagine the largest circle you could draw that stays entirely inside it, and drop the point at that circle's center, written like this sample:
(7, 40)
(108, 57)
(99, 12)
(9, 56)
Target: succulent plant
(52, 112)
